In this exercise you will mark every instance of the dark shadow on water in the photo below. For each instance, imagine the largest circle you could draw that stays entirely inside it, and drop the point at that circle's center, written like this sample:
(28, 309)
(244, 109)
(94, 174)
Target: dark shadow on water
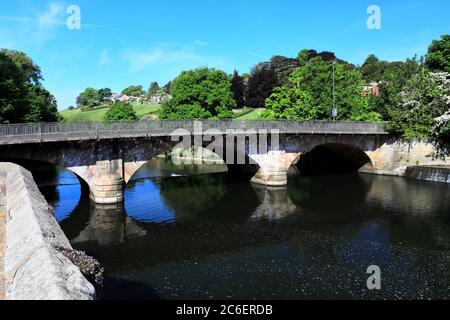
(122, 289)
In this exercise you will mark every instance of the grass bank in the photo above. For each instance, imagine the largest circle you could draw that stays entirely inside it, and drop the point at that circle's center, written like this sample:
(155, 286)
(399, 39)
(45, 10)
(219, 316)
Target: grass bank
(98, 114)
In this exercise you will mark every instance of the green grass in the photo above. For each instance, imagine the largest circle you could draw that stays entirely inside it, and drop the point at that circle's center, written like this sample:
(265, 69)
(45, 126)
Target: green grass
(98, 114)
(254, 115)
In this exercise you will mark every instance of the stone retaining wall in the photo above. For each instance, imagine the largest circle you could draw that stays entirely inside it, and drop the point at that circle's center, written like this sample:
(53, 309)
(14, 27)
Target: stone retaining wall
(34, 268)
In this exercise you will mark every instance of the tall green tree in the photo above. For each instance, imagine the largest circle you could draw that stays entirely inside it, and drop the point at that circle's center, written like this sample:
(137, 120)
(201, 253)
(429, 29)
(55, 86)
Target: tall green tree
(438, 58)
(260, 86)
(238, 88)
(22, 96)
(394, 76)
(200, 94)
(89, 98)
(316, 79)
(153, 89)
(291, 103)
(283, 68)
(104, 93)
(133, 91)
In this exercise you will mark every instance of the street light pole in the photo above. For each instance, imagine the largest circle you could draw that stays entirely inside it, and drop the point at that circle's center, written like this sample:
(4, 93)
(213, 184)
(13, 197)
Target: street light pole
(334, 111)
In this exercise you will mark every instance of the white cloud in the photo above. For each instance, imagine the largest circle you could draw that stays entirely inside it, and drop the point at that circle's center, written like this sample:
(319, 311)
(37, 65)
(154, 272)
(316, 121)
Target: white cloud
(52, 17)
(201, 43)
(40, 26)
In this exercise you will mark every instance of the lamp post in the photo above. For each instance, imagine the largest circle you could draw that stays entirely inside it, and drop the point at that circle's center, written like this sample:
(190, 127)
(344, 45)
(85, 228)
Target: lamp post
(334, 112)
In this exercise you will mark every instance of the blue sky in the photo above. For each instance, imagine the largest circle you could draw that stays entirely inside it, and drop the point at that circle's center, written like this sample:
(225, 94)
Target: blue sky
(139, 41)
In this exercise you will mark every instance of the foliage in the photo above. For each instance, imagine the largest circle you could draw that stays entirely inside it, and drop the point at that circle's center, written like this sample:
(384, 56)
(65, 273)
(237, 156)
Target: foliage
(438, 58)
(120, 111)
(316, 79)
(89, 98)
(22, 97)
(441, 128)
(168, 87)
(238, 88)
(153, 89)
(133, 91)
(283, 68)
(261, 83)
(104, 93)
(373, 69)
(392, 77)
(289, 103)
(425, 96)
(200, 94)
(305, 56)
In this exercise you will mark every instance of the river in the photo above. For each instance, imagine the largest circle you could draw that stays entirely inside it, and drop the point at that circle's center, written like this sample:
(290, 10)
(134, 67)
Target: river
(189, 233)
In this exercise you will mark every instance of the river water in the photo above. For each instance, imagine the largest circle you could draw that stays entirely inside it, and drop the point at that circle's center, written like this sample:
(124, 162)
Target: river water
(189, 233)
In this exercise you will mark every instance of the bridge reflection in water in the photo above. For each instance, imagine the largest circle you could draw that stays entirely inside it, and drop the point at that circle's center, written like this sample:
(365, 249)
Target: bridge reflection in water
(205, 236)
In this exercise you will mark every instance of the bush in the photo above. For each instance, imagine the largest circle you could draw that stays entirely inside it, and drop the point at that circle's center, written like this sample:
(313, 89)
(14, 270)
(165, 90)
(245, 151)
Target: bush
(120, 111)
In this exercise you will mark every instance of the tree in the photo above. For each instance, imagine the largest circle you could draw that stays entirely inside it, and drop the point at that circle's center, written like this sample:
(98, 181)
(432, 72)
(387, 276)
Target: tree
(260, 85)
(424, 97)
(168, 87)
(200, 94)
(153, 89)
(12, 87)
(42, 105)
(290, 103)
(22, 97)
(305, 55)
(133, 91)
(120, 111)
(316, 79)
(392, 79)
(283, 68)
(104, 93)
(238, 88)
(373, 69)
(89, 98)
(438, 58)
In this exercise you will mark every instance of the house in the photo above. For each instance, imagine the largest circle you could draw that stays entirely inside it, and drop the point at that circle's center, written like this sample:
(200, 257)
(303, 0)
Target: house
(372, 89)
(159, 98)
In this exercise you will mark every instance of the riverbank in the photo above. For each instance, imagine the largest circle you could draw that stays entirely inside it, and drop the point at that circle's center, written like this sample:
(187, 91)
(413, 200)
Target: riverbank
(35, 267)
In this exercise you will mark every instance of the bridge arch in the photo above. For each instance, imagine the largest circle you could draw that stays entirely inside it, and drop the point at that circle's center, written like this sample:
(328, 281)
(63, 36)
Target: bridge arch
(333, 157)
(243, 171)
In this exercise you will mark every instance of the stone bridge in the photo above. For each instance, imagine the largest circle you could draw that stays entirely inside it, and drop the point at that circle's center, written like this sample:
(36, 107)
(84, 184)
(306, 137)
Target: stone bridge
(105, 155)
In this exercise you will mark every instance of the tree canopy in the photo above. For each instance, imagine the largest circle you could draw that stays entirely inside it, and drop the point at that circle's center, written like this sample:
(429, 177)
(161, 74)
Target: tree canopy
(133, 91)
(120, 111)
(438, 58)
(153, 89)
(22, 96)
(200, 94)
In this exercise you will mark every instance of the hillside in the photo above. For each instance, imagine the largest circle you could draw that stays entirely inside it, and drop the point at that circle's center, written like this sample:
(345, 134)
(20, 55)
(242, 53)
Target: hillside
(98, 114)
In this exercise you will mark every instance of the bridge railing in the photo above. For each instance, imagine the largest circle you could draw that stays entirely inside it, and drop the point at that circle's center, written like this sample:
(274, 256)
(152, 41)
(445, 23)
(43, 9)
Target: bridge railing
(99, 129)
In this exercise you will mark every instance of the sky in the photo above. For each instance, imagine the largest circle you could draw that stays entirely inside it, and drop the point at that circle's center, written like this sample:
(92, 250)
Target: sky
(134, 42)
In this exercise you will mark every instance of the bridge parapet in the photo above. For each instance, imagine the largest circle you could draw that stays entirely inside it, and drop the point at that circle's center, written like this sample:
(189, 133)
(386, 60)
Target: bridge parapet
(69, 131)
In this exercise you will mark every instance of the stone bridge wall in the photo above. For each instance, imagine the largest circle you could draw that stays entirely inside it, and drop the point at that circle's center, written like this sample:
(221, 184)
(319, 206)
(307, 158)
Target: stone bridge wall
(34, 268)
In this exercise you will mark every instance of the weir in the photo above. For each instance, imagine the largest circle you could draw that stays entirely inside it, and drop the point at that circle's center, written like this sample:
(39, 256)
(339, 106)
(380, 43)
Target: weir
(429, 173)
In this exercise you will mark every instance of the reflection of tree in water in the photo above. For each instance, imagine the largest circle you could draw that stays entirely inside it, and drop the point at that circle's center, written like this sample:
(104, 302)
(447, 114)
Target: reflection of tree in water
(330, 198)
(191, 195)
